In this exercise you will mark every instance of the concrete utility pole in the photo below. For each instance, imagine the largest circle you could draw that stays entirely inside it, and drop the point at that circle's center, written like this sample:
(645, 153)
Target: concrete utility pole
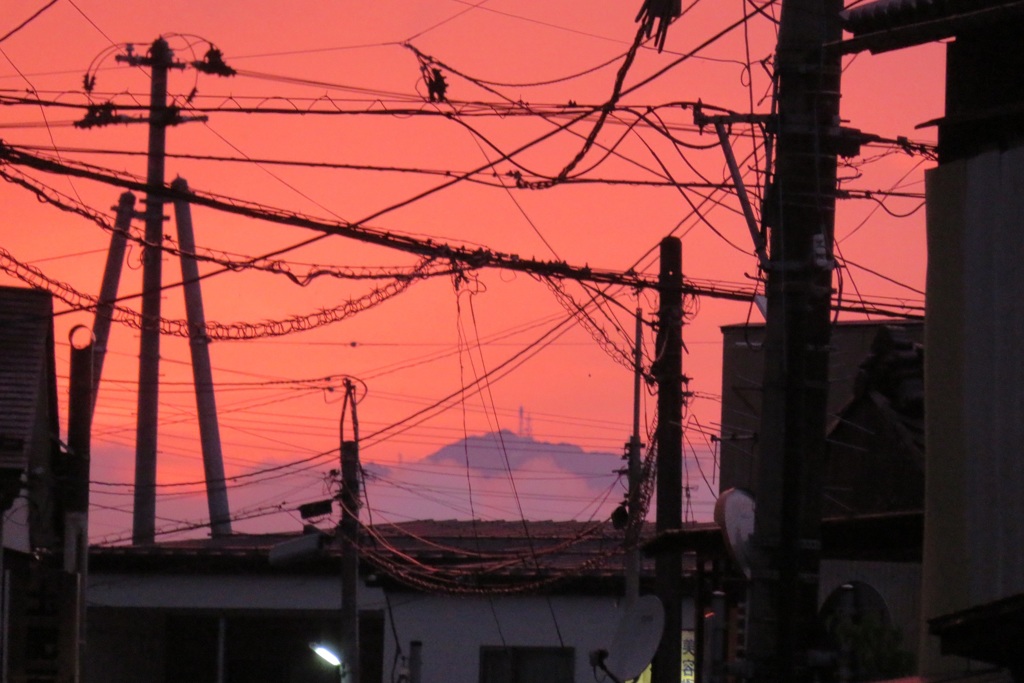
(108, 290)
(668, 370)
(799, 214)
(202, 372)
(160, 60)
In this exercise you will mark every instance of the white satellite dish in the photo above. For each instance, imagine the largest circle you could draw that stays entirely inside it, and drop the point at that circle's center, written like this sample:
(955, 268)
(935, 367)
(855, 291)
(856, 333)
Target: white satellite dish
(636, 639)
(734, 514)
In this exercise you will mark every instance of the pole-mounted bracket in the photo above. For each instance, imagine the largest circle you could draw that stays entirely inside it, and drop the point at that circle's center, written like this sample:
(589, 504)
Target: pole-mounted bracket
(720, 123)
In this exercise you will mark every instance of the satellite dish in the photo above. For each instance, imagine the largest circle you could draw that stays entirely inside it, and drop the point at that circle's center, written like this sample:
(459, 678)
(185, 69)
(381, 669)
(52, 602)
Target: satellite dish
(734, 514)
(636, 639)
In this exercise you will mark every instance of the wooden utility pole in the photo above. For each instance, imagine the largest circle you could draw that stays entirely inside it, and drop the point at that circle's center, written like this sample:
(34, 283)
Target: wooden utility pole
(633, 473)
(668, 370)
(76, 492)
(799, 214)
(348, 533)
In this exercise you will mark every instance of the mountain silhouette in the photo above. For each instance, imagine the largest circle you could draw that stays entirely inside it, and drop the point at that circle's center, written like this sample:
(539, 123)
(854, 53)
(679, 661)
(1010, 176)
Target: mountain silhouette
(494, 453)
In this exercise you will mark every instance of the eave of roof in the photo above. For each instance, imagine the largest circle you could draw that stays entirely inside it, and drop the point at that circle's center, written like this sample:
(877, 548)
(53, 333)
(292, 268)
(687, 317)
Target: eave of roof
(899, 322)
(988, 632)
(894, 24)
(891, 536)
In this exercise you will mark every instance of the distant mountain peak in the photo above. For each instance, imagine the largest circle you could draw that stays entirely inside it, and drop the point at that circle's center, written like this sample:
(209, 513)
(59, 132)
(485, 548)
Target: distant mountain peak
(498, 451)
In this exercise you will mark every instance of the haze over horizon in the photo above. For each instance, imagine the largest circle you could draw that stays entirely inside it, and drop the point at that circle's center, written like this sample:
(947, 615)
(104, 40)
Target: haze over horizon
(328, 119)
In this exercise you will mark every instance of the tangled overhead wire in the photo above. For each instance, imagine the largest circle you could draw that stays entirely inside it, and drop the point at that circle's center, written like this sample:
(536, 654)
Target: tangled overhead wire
(214, 331)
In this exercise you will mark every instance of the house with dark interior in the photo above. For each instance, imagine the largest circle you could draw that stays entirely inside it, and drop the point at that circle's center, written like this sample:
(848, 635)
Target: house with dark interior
(872, 497)
(36, 612)
(495, 602)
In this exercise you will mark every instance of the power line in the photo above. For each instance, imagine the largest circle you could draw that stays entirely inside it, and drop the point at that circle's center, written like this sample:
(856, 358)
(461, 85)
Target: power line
(471, 258)
(27, 21)
(229, 262)
(523, 181)
(212, 330)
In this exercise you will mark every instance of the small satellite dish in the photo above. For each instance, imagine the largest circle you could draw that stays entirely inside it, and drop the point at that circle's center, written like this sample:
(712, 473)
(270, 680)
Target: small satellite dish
(734, 514)
(636, 639)
(761, 301)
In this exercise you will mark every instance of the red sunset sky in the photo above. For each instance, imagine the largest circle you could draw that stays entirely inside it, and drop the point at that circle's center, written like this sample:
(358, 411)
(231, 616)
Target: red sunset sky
(512, 70)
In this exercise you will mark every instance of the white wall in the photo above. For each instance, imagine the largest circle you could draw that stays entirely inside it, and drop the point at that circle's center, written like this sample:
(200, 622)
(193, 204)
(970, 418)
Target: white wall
(452, 629)
(223, 592)
(899, 584)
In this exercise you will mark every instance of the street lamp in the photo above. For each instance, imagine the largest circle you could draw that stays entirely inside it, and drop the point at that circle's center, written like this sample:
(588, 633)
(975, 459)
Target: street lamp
(325, 653)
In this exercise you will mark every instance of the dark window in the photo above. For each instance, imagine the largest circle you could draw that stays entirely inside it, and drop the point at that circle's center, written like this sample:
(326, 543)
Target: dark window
(526, 664)
(269, 648)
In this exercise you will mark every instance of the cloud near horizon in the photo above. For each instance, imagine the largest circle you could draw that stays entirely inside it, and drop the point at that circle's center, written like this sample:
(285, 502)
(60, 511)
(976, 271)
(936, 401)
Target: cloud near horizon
(500, 475)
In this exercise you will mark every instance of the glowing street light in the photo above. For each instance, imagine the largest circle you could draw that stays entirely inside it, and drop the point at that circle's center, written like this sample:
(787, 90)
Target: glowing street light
(326, 654)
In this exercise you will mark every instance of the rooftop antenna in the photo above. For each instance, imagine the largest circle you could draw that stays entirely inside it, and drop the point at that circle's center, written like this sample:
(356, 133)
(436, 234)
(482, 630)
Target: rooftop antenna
(525, 423)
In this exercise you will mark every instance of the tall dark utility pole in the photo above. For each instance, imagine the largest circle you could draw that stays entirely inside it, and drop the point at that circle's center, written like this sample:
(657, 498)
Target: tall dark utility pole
(668, 370)
(348, 533)
(799, 214)
(633, 469)
(76, 489)
(160, 60)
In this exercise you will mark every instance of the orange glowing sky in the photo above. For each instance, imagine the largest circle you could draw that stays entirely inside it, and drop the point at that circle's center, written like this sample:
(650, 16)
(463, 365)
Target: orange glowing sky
(413, 350)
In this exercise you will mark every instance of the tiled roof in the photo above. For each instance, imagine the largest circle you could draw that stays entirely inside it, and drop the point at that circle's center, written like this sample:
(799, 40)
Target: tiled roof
(26, 365)
(505, 551)
(519, 548)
